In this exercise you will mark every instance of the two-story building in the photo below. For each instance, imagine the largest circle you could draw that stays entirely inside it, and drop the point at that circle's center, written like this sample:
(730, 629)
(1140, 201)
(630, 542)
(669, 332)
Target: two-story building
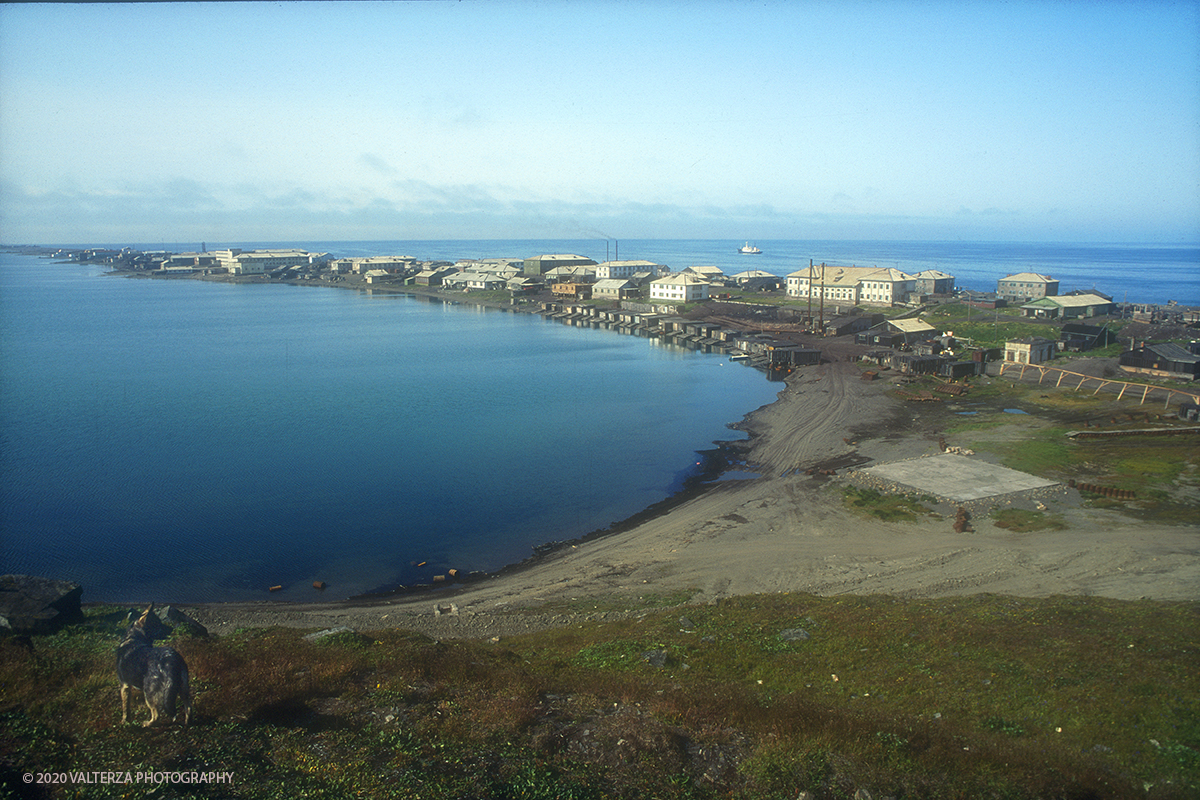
(851, 285)
(625, 269)
(1025, 286)
(932, 281)
(361, 266)
(258, 262)
(681, 287)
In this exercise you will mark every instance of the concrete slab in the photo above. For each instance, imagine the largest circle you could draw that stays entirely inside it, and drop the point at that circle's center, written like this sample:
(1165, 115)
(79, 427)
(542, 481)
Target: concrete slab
(958, 478)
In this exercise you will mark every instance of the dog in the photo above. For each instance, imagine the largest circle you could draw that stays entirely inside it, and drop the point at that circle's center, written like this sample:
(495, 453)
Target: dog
(159, 672)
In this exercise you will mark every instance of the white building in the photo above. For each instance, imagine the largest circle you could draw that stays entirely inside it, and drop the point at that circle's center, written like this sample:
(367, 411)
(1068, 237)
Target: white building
(1026, 286)
(365, 265)
(679, 288)
(256, 262)
(472, 280)
(497, 266)
(624, 269)
(1030, 350)
(852, 285)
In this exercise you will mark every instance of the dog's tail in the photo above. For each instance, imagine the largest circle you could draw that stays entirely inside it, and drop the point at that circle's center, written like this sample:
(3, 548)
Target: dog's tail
(177, 693)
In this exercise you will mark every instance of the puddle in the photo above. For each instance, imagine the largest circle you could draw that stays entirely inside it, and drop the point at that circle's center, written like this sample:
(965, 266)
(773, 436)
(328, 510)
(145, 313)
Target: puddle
(1014, 411)
(966, 413)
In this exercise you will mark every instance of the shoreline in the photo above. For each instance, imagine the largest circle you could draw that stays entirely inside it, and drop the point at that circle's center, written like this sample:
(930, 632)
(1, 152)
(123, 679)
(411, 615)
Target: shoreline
(781, 532)
(693, 487)
(716, 460)
(785, 531)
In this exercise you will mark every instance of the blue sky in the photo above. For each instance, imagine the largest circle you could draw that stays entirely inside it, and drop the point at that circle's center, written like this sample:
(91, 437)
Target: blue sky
(1010, 121)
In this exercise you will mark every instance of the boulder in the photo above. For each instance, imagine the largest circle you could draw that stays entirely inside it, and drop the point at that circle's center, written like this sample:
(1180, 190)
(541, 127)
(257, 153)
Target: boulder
(175, 618)
(30, 605)
(655, 658)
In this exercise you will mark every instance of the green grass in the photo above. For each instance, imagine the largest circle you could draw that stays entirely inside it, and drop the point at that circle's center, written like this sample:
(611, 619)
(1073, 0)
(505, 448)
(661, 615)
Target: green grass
(886, 507)
(987, 328)
(985, 696)
(1023, 521)
(1048, 453)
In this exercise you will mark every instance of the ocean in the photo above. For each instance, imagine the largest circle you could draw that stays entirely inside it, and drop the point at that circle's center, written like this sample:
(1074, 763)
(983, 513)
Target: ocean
(188, 441)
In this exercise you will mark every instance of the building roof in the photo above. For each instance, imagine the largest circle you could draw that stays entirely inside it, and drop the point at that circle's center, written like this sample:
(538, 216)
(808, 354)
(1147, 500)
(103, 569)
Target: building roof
(752, 273)
(932, 274)
(704, 270)
(1173, 352)
(911, 325)
(562, 257)
(613, 283)
(1070, 301)
(572, 270)
(633, 263)
(887, 274)
(851, 276)
(681, 279)
(1029, 277)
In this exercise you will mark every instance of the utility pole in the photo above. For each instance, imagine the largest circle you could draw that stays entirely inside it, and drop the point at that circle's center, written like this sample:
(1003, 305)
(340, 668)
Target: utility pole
(822, 328)
(810, 269)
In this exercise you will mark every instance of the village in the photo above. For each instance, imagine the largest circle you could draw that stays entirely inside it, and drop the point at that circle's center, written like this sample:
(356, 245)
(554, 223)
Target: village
(897, 321)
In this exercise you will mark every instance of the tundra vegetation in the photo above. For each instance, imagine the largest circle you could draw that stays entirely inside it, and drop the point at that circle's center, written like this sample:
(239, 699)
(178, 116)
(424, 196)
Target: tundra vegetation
(1162, 472)
(763, 696)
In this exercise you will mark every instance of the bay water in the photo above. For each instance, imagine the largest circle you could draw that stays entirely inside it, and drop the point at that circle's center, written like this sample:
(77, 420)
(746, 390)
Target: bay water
(186, 441)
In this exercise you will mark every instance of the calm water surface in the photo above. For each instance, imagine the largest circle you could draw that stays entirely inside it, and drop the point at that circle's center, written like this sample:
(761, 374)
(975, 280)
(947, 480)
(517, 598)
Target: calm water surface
(185, 441)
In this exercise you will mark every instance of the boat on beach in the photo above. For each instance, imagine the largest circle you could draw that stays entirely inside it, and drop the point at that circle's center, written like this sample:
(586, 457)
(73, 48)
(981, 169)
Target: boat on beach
(749, 250)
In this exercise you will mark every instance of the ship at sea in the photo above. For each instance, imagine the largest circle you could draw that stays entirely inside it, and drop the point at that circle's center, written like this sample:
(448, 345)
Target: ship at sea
(749, 250)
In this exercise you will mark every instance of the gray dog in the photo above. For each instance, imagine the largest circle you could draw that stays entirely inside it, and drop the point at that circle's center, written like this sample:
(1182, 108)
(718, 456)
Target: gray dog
(159, 672)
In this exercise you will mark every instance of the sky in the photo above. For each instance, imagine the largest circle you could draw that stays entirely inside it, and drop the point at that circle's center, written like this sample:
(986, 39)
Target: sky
(859, 119)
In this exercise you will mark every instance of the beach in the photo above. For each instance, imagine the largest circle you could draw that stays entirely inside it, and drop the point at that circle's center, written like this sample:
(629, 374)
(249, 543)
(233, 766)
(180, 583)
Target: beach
(785, 531)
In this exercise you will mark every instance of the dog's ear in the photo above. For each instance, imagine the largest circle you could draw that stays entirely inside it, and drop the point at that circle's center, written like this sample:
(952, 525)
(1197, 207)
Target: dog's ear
(146, 614)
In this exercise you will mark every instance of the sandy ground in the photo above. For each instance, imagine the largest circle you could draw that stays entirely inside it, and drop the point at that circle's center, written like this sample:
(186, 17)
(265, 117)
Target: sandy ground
(787, 532)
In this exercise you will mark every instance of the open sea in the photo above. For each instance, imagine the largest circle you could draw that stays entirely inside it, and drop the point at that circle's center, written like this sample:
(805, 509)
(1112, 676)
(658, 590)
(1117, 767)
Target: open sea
(187, 441)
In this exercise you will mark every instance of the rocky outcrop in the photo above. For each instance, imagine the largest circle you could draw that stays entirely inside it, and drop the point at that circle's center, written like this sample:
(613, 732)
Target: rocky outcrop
(29, 604)
(174, 618)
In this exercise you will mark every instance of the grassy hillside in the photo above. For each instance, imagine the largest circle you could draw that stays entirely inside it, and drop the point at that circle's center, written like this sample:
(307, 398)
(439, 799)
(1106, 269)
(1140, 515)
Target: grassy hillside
(754, 697)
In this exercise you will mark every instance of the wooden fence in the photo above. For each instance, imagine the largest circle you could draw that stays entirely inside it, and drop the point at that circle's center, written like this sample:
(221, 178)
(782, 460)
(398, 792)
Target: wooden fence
(1063, 374)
